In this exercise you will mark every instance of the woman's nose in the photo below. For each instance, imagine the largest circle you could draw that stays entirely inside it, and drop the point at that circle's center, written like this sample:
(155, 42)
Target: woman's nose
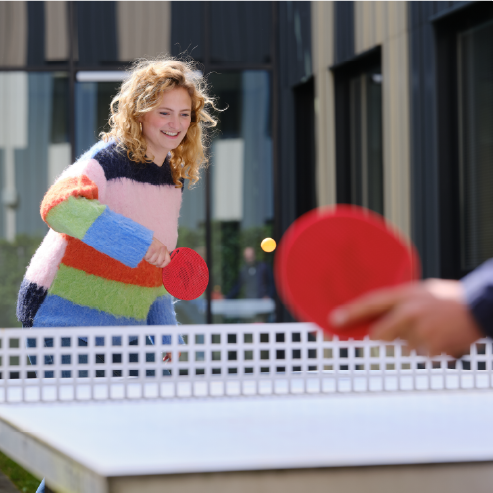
(174, 121)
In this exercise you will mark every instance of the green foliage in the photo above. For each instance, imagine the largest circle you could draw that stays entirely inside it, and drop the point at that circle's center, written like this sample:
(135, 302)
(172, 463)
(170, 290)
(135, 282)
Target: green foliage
(14, 258)
(23, 480)
(228, 243)
(192, 238)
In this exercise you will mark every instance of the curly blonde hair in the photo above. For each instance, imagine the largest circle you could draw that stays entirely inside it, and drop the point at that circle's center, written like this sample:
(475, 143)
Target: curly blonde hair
(141, 92)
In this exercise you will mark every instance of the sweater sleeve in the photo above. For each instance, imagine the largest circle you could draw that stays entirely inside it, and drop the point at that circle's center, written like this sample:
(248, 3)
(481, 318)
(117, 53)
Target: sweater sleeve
(478, 287)
(71, 206)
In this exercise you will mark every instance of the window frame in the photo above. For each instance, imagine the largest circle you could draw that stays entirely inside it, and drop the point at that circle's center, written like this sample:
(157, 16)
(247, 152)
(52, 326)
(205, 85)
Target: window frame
(343, 74)
(446, 31)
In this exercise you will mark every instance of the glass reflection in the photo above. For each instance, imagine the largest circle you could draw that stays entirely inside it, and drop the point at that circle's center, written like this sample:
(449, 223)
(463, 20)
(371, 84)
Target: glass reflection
(476, 145)
(92, 110)
(242, 200)
(191, 234)
(34, 150)
(367, 140)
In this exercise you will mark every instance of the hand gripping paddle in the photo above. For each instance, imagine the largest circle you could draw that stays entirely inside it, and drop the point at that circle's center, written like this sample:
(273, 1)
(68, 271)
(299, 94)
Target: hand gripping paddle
(186, 276)
(330, 256)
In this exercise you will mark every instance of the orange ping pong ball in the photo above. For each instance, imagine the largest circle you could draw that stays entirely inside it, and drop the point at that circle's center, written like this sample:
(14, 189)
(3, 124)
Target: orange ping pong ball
(268, 245)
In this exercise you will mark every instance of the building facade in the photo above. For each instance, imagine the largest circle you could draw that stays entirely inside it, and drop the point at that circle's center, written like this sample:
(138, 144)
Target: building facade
(61, 64)
(383, 104)
(404, 121)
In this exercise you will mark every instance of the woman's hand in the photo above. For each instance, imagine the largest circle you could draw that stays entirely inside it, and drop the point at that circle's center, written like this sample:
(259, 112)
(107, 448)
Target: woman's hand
(157, 254)
(432, 316)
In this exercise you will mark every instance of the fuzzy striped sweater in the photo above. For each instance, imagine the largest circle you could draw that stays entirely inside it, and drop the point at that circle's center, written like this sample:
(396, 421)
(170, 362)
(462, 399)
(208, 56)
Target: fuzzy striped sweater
(103, 212)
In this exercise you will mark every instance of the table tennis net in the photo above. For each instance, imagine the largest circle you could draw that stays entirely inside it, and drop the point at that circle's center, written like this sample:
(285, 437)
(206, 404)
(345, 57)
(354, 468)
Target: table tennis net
(111, 363)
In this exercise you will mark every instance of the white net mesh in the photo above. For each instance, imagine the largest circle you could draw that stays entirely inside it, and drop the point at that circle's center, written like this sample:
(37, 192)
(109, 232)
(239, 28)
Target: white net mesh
(103, 363)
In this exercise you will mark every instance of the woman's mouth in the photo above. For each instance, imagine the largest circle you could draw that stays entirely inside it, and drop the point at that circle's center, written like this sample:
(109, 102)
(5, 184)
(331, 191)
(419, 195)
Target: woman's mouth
(170, 134)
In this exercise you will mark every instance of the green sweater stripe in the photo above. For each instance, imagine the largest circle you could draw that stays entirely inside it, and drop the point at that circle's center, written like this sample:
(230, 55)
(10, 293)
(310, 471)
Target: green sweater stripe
(116, 298)
(74, 216)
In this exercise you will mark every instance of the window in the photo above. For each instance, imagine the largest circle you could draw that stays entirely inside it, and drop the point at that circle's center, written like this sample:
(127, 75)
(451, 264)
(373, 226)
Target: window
(465, 138)
(366, 140)
(359, 138)
(475, 73)
(242, 199)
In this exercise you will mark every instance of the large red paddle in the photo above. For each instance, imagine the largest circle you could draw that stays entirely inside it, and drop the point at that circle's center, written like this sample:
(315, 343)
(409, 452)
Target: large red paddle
(330, 256)
(186, 276)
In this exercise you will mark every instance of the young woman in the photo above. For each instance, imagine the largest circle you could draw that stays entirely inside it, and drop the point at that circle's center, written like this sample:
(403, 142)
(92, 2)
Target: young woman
(113, 215)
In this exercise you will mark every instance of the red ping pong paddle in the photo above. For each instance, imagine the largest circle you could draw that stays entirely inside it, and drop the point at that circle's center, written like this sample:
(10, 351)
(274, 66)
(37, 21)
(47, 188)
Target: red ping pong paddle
(331, 256)
(187, 275)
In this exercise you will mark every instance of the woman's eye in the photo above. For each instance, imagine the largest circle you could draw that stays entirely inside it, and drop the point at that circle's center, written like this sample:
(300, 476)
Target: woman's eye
(185, 114)
(164, 113)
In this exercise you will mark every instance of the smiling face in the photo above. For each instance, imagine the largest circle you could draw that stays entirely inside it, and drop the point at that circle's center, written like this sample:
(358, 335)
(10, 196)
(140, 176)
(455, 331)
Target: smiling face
(165, 126)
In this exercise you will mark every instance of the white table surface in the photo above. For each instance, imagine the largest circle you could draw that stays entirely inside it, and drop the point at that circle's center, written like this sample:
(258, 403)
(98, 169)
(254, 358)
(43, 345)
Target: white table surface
(234, 434)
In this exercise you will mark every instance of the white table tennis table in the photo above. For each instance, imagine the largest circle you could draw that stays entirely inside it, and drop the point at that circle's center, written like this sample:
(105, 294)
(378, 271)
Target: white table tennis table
(243, 410)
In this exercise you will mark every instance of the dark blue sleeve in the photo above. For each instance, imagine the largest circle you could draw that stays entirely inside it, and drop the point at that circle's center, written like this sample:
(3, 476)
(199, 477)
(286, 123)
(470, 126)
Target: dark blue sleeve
(478, 287)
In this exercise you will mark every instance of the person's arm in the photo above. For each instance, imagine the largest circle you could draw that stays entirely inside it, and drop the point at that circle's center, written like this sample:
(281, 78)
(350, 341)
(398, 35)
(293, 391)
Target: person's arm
(71, 207)
(478, 294)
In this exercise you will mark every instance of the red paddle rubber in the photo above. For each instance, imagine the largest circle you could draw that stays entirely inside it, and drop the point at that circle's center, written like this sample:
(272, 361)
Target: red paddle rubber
(186, 276)
(330, 256)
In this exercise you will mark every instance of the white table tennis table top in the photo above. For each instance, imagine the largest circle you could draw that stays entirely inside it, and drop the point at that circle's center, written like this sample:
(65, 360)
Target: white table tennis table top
(217, 435)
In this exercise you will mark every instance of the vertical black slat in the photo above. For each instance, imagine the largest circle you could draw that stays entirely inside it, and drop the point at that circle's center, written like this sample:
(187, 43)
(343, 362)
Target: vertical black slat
(412, 17)
(430, 171)
(416, 148)
(304, 17)
(424, 164)
(207, 34)
(35, 33)
(187, 29)
(97, 33)
(275, 138)
(72, 34)
(296, 26)
(344, 30)
(447, 137)
(294, 66)
(427, 8)
(208, 211)
(342, 140)
(304, 97)
(286, 121)
(286, 177)
(208, 242)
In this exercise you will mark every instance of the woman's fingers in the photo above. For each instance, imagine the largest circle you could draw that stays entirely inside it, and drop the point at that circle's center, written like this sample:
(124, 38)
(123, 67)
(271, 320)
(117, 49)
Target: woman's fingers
(167, 258)
(157, 254)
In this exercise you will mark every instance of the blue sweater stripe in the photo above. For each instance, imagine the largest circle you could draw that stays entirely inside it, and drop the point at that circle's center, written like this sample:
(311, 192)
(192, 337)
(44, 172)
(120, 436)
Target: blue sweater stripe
(119, 237)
